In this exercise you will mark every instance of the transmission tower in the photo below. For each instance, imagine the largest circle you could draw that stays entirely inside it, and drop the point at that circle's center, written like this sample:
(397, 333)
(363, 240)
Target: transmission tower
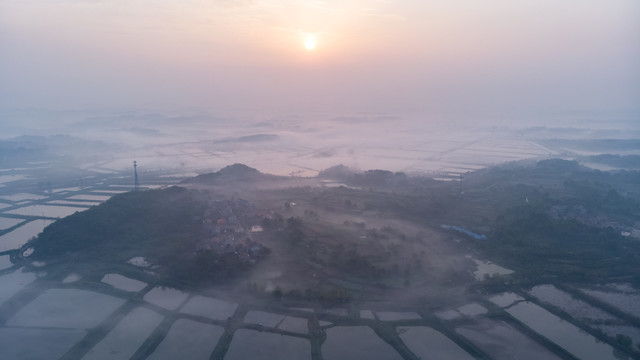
(135, 175)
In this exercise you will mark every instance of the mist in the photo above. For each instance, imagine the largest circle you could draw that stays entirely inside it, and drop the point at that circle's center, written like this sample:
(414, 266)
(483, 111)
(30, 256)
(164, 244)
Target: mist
(319, 179)
(464, 61)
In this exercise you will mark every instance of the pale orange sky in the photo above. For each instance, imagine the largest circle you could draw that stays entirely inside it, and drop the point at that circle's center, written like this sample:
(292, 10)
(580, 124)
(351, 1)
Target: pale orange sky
(494, 56)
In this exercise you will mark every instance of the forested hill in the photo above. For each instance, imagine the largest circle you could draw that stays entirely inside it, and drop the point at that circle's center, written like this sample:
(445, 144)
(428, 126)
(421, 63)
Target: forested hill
(232, 173)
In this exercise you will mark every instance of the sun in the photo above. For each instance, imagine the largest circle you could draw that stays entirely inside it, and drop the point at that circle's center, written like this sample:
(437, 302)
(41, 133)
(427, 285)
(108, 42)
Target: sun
(310, 42)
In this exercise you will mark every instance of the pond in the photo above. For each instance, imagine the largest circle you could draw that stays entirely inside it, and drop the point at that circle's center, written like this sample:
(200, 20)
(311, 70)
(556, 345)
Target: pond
(447, 314)
(127, 336)
(167, 298)
(6, 223)
(574, 307)
(628, 301)
(5, 262)
(501, 341)
(294, 324)
(366, 314)
(90, 197)
(18, 237)
(255, 345)
(209, 307)
(52, 211)
(356, 342)
(71, 278)
(79, 203)
(473, 309)
(115, 192)
(263, 318)
(66, 308)
(9, 178)
(23, 196)
(427, 343)
(566, 335)
(506, 299)
(188, 340)
(18, 343)
(123, 283)
(487, 268)
(14, 282)
(66, 189)
(390, 316)
(139, 261)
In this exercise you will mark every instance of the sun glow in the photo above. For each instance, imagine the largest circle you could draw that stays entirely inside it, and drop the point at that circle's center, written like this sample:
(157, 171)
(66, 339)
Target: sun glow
(310, 42)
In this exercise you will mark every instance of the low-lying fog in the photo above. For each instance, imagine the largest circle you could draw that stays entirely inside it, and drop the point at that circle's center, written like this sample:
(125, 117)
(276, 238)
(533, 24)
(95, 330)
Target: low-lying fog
(53, 164)
(189, 142)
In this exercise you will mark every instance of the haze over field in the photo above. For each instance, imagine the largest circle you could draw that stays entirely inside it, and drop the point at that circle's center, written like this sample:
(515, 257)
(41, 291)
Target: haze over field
(433, 61)
(315, 179)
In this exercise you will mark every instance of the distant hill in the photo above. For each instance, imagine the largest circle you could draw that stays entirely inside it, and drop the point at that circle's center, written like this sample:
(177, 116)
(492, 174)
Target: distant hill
(250, 138)
(621, 161)
(553, 220)
(231, 173)
(337, 172)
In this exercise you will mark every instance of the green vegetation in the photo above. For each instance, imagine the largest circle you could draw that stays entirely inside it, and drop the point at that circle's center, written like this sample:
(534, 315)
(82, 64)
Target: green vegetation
(163, 226)
(126, 222)
(554, 220)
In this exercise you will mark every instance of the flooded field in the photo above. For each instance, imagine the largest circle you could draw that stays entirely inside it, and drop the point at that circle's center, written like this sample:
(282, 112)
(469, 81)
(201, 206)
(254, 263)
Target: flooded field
(115, 192)
(66, 317)
(625, 299)
(487, 269)
(73, 203)
(367, 314)
(20, 343)
(71, 278)
(49, 211)
(592, 316)
(123, 341)
(574, 307)
(66, 308)
(428, 344)
(569, 337)
(139, 261)
(472, 309)
(167, 298)
(6, 223)
(123, 282)
(22, 197)
(390, 316)
(13, 282)
(356, 342)
(169, 323)
(506, 299)
(294, 324)
(67, 189)
(10, 178)
(90, 197)
(448, 314)
(631, 331)
(263, 318)
(502, 341)
(5, 262)
(188, 340)
(209, 307)
(250, 344)
(18, 237)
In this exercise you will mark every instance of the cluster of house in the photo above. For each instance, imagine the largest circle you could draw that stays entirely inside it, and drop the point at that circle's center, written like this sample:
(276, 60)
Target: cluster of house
(229, 224)
(580, 214)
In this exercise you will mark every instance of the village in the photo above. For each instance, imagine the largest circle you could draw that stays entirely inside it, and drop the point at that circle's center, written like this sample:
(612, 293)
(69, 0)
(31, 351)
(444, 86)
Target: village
(229, 225)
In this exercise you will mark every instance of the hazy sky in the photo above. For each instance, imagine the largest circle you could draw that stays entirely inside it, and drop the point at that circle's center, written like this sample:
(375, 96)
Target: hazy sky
(418, 56)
